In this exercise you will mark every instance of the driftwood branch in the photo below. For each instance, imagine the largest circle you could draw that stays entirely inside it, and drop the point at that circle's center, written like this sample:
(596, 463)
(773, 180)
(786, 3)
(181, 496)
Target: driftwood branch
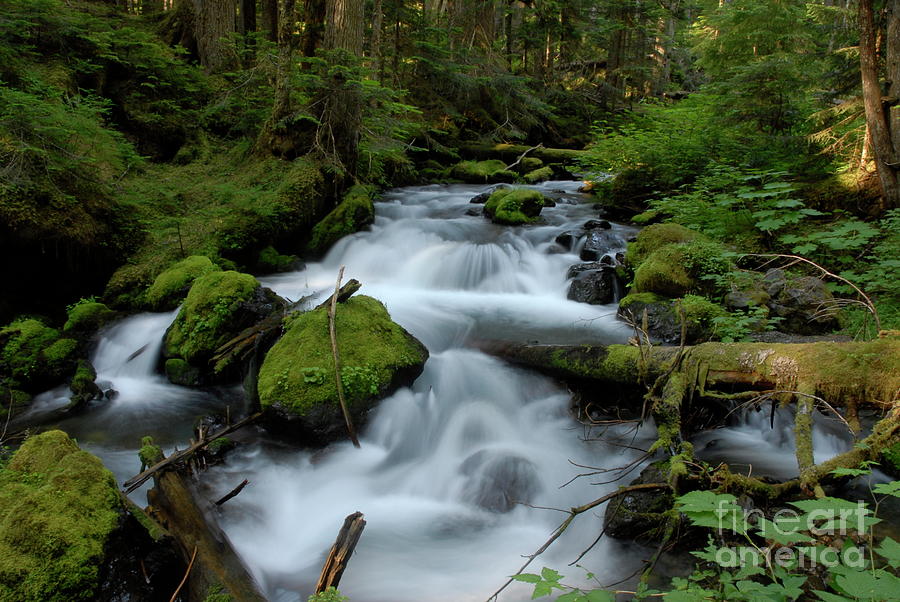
(337, 359)
(522, 156)
(565, 525)
(138, 480)
(341, 551)
(232, 493)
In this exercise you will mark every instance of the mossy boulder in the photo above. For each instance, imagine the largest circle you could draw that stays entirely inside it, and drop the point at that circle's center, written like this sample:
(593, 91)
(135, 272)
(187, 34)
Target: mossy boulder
(353, 213)
(680, 268)
(270, 260)
(664, 316)
(641, 515)
(514, 206)
(83, 387)
(218, 307)
(87, 317)
(529, 164)
(539, 175)
(64, 531)
(171, 286)
(655, 237)
(482, 172)
(33, 356)
(179, 372)
(296, 382)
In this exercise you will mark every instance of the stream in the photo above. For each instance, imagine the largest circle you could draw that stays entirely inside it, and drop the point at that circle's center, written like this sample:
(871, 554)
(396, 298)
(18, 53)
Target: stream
(443, 462)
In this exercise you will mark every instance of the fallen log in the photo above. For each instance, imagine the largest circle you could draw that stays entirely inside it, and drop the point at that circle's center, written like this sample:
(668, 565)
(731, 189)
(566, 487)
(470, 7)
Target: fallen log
(490, 150)
(138, 480)
(215, 565)
(340, 552)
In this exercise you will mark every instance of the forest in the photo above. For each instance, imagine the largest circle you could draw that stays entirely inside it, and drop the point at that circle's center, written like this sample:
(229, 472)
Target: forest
(509, 289)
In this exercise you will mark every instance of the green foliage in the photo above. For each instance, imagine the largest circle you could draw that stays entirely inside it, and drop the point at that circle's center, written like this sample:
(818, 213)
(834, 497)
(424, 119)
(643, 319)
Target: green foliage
(298, 372)
(329, 595)
(205, 321)
(87, 315)
(353, 213)
(58, 506)
(33, 356)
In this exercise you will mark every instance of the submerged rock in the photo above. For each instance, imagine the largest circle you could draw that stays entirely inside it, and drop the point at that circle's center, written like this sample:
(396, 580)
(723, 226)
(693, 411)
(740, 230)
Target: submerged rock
(498, 480)
(66, 533)
(296, 382)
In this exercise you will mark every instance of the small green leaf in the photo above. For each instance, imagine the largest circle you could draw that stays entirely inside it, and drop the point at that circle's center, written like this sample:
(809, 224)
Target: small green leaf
(890, 550)
(527, 578)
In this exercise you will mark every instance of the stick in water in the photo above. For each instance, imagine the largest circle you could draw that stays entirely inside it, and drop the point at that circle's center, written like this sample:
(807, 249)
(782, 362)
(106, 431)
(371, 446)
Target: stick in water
(337, 360)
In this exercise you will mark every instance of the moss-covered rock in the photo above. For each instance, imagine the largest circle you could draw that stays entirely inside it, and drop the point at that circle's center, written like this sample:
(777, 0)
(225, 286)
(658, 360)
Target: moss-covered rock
(539, 175)
(58, 507)
(355, 212)
(171, 286)
(513, 206)
(179, 372)
(296, 382)
(482, 172)
(33, 357)
(87, 317)
(680, 268)
(12, 399)
(664, 316)
(270, 260)
(655, 237)
(218, 307)
(83, 387)
(529, 164)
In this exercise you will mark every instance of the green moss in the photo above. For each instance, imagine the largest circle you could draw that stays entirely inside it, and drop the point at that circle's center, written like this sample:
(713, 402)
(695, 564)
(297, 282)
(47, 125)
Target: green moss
(270, 260)
(679, 268)
(220, 445)
(529, 164)
(655, 237)
(481, 172)
(513, 206)
(11, 398)
(700, 310)
(170, 287)
(58, 506)
(34, 356)
(83, 386)
(643, 298)
(298, 372)
(149, 453)
(538, 175)
(205, 319)
(891, 457)
(353, 213)
(180, 372)
(88, 317)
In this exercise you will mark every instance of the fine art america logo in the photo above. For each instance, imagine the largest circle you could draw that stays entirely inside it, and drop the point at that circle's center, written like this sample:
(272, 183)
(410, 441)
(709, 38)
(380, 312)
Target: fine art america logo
(794, 537)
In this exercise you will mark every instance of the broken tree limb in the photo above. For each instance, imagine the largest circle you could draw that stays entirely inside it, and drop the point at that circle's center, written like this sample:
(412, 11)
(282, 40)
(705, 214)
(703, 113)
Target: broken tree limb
(232, 493)
(522, 156)
(339, 385)
(215, 565)
(138, 480)
(508, 152)
(344, 293)
(341, 551)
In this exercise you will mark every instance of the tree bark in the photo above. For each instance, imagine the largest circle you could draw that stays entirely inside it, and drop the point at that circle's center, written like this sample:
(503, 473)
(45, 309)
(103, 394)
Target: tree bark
(344, 26)
(877, 120)
(213, 26)
(313, 26)
(247, 17)
(276, 137)
(269, 19)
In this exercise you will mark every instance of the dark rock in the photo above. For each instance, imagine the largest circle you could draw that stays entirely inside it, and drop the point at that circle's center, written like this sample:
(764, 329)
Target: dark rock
(498, 480)
(640, 515)
(556, 249)
(598, 243)
(596, 285)
(475, 211)
(569, 238)
(179, 372)
(620, 257)
(548, 202)
(593, 224)
(803, 303)
(481, 199)
(608, 260)
(742, 300)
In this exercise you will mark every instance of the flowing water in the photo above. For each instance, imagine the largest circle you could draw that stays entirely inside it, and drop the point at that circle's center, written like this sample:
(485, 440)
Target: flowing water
(443, 462)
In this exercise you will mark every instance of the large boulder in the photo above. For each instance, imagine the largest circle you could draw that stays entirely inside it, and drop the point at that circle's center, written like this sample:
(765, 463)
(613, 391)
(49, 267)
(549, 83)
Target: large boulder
(514, 206)
(218, 307)
(664, 316)
(593, 283)
(655, 237)
(804, 304)
(296, 381)
(173, 284)
(66, 534)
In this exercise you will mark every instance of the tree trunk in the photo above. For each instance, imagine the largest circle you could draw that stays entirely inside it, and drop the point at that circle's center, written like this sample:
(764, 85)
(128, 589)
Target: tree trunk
(247, 17)
(276, 137)
(214, 25)
(313, 26)
(886, 158)
(375, 43)
(269, 18)
(344, 26)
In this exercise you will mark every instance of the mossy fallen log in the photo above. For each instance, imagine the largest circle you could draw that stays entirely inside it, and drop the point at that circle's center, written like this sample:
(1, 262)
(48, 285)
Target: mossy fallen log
(510, 152)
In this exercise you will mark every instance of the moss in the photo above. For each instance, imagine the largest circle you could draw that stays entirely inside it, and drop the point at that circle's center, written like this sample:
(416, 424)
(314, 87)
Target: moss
(891, 458)
(355, 212)
(220, 445)
(700, 310)
(88, 317)
(298, 372)
(538, 175)
(149, 453)
(83, 386)
(643, 298)
(206, 317)
(529, 164)
(270, 260)
(14, 399)
(513, 206)
(482, 172)
(34, 356)
(655, 237)
(663, 272)
(58, 506)
(179, 372)
(170, 287)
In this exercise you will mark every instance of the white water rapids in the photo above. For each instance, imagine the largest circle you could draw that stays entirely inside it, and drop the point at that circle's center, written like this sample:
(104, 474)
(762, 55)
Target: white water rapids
(443, 462)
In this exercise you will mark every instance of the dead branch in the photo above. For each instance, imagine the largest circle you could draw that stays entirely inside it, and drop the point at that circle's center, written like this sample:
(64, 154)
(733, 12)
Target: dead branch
(522, 156)
(341, 551)
(337, 359)
(232, 493)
